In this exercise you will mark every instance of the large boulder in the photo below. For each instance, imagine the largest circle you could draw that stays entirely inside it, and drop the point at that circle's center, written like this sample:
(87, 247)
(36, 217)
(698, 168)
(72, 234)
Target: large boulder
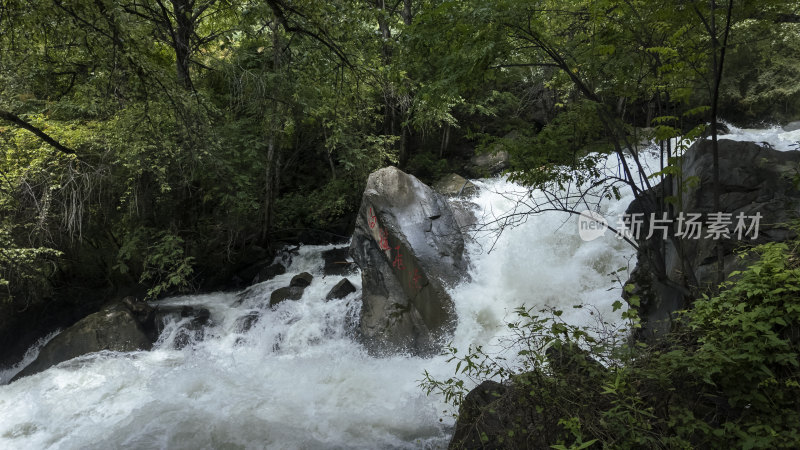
(409, 248)
(755, 180)
(112, 328)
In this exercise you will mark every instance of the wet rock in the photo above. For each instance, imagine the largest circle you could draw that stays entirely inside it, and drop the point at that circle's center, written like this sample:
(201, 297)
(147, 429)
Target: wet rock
(409, 248)
(792, 126)
(199, 317)
(336, 262)
(285, 293)
(246, 322)
(144, 313)
(301, 280)
(454, 185)
(269, 272)
(113, 328)
(482, 418)
(342, 289)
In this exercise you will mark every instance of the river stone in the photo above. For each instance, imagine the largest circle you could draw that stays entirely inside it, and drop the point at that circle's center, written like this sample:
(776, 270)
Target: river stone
(112, 328)
(409, 248)
(301, 280)
(285, 293)
(755, 179)
(342, 289)
(454, 185)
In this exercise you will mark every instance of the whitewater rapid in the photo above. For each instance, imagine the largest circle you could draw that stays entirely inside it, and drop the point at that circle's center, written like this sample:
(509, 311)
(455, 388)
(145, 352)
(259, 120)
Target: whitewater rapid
(298, 379)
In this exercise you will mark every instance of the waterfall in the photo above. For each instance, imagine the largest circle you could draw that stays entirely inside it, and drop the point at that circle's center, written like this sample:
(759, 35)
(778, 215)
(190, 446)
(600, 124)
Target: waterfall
(298, 378)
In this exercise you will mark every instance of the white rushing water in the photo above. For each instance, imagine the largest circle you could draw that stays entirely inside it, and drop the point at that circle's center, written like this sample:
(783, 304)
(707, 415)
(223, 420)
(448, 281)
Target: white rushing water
(297, 379)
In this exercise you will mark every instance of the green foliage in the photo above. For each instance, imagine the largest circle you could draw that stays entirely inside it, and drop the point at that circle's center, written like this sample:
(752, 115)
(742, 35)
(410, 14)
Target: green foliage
(727, 377)
(166, 266)
(565, 150)
(24, 272)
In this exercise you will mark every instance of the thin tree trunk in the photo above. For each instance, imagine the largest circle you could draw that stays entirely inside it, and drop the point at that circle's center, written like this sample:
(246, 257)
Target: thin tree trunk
(270, 175)
(718, 68)
(184, 28)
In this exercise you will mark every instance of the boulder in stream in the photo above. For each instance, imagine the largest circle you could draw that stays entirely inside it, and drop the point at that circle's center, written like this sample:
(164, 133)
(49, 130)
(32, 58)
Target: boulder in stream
(301, 280)
(113, 328)
(410, 249)
(342, 289)
(285, 293)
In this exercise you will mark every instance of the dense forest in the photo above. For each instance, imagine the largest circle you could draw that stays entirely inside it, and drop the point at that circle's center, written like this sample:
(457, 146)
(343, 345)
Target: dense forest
(153, 147)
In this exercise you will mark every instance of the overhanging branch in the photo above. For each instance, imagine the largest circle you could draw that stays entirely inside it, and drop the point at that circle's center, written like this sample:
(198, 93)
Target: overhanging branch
(16, 120)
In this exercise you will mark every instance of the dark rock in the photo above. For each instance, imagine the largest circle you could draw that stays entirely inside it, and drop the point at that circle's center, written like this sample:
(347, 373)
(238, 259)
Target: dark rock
(336, 263)
(246, 322)
(301, 280)
(269, 272)
(342, 289)
(454, 185)
(483, 413)
(113, 328)
(409, 248)
(144, 314)
(200, 317)
(285, 293)
(754, 179)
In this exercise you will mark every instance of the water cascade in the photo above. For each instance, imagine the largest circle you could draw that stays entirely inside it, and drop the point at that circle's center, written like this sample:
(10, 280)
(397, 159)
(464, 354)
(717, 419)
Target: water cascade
(297, 378)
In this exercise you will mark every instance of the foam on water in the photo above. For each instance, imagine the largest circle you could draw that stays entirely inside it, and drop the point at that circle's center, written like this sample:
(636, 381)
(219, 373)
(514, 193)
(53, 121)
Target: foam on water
(297, 378)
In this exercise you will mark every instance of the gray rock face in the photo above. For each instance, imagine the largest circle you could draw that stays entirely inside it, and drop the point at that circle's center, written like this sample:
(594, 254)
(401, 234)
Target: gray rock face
(487, 164)
(454, 185)
(755, 179)
(792, 126)
(112, 328)
(409, 248)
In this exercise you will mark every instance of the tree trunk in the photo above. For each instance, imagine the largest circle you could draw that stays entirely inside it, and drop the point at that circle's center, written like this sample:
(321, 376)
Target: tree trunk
(717, 71)
(184, 29)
